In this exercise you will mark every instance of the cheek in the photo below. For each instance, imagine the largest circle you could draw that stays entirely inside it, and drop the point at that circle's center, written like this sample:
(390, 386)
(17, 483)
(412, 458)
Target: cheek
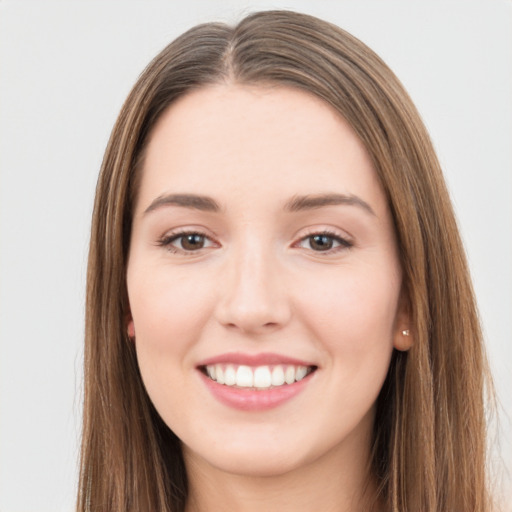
(168, 315)
(353, 315)
(355, 298)
(165, 310)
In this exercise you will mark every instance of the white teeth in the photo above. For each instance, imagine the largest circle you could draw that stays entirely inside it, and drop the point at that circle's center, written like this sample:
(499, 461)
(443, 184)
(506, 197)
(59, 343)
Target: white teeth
(301, 372)
(260, 377)
(244, 377)
(230, 376)
(277, 376)
(211, 371)
(289, 375)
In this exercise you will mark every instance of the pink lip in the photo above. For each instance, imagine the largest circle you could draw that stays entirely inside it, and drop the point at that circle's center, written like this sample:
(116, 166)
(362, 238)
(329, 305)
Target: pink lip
(253, 400)
(250, 399)
(262, 359)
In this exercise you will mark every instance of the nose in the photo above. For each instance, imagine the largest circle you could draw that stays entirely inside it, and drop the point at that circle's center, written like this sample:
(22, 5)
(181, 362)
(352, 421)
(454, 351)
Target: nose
(253, 298)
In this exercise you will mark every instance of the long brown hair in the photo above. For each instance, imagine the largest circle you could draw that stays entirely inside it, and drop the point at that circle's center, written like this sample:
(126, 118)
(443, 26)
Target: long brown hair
(429, 446)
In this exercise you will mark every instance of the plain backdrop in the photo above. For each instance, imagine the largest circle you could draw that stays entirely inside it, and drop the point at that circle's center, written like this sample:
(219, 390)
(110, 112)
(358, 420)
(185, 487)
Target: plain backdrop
(66, 68)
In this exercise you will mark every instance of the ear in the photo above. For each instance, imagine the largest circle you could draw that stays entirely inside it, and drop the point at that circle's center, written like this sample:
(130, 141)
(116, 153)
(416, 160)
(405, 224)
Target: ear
(130, 327)
(403, 338)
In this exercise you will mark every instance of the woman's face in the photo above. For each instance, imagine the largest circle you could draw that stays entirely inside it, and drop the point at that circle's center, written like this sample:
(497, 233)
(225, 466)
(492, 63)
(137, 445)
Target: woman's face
(263, 280)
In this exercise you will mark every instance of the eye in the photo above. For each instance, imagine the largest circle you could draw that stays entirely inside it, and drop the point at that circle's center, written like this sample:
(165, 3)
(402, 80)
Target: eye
(324, 242)
(186, 242)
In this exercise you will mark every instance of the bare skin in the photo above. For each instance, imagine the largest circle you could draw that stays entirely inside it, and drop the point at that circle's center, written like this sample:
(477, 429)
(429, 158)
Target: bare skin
(262, 233)
(312, 487)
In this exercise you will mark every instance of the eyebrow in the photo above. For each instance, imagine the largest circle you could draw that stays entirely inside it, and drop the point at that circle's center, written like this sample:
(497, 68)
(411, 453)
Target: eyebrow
(296, 204)
(311, 202)
(193, 201)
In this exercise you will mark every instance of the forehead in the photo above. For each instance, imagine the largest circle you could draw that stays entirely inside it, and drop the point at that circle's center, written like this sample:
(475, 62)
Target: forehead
(248, 140)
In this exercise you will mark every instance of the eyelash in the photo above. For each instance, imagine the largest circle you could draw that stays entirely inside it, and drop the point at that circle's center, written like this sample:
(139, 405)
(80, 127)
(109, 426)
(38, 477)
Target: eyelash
(167, 240)
(343, 242)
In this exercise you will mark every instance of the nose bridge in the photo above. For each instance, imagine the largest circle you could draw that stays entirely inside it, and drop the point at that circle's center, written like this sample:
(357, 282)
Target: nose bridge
(253, 297)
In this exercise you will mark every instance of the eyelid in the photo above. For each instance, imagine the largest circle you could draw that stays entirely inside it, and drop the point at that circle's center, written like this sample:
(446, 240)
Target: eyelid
(170, 236)
(344, 239)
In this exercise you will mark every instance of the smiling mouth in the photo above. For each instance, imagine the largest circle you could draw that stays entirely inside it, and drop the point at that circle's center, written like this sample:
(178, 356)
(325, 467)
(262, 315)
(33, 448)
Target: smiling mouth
(257, 377)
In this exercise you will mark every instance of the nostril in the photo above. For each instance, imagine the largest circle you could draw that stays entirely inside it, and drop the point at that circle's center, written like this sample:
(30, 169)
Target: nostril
(252, 303)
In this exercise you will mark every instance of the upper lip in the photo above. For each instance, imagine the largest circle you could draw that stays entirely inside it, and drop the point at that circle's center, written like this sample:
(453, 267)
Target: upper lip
(261, 359)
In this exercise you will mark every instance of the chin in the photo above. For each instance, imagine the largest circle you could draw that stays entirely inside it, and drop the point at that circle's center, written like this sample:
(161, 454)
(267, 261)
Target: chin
(253, 463)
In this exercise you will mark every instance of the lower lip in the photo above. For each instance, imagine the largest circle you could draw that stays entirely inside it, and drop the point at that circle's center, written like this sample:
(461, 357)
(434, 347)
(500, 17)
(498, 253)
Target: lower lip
(255, 400)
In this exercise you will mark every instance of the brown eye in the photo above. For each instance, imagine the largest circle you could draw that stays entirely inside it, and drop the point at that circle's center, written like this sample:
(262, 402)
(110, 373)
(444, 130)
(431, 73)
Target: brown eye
(324, 242)
(187, 242)
(321, 242)
(192, 241)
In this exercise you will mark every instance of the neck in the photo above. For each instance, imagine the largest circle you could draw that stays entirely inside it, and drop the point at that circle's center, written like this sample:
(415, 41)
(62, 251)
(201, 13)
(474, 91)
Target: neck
(338, 481)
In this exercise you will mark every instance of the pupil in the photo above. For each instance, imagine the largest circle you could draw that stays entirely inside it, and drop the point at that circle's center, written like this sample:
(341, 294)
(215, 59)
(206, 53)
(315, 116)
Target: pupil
(192, 242)
(321, 242)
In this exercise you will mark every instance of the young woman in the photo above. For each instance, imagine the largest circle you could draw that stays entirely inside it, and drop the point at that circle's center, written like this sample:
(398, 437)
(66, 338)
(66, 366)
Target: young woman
(279, 311)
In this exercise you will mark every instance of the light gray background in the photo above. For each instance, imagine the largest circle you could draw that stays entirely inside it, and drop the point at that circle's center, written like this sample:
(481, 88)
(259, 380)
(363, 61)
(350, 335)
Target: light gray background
(65, 69)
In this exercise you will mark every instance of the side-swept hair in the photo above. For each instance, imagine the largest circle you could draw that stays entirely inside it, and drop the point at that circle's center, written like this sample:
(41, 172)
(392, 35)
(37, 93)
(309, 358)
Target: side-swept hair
(429, 450)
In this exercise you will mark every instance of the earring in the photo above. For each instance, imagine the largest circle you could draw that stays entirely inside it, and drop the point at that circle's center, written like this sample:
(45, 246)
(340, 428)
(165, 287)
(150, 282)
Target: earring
(405, 332)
